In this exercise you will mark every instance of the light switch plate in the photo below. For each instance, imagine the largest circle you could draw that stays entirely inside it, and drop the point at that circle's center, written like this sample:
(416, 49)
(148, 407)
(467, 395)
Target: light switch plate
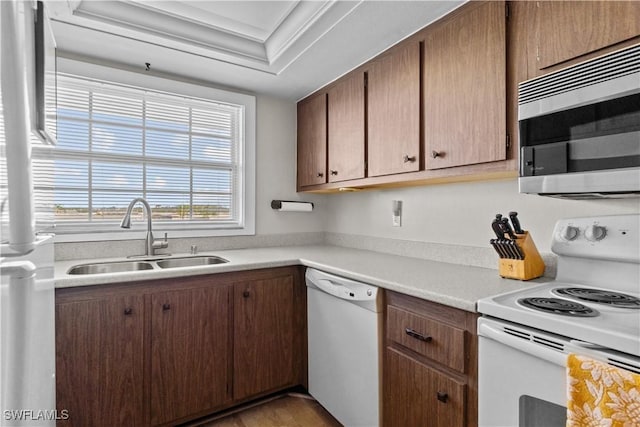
(397, 213)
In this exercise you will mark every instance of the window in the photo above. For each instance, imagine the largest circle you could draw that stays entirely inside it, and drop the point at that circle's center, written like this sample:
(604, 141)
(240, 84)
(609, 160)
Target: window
(185, 155)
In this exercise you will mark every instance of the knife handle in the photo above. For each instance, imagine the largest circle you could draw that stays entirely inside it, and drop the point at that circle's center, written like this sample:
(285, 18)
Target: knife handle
(516, 222)
(518, 250)
(507, 228)
(495, 247)
(497, 229)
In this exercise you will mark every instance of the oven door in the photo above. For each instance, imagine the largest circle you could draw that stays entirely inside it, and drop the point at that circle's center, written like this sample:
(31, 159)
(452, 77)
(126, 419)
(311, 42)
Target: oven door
(521, 382)
(522, 373)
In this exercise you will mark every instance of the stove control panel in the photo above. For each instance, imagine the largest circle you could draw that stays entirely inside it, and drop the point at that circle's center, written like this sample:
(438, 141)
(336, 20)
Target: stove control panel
(615, 238)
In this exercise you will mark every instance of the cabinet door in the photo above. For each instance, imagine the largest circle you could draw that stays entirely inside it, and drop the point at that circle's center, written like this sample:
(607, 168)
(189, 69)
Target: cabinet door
(312, 141)
(393, 112)
(417, 395)
(264, 336)
(569, 29)
(346, 129)
(464, 88)
(190, 352)
(100, 361)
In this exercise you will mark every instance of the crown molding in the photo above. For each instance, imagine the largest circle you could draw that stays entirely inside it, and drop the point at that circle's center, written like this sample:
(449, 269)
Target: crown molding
(214, 36)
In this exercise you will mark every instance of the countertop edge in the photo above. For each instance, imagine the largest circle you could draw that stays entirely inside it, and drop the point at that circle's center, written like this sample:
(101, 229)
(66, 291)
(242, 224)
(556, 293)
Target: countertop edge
(440, 282)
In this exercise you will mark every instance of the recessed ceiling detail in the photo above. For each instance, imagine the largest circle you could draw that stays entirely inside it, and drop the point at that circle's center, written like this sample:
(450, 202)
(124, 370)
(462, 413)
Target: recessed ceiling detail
(283, 48)
(265, 35)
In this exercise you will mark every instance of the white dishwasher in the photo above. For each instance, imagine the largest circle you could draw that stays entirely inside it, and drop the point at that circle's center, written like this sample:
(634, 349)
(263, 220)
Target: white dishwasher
(344, 320)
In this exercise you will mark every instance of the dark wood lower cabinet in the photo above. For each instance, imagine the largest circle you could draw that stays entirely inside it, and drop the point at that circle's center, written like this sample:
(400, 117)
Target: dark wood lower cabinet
(420, 395)
(190, 360)
(162, 352)
(263, 354)
(430, 369)
(100, 361)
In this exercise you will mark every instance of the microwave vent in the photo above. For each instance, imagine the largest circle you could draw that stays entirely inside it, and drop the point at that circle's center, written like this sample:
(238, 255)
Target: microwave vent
(597, 70)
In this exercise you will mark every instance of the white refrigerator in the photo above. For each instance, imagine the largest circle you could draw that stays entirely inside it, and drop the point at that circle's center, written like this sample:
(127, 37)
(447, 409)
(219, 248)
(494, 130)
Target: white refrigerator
(27, 340)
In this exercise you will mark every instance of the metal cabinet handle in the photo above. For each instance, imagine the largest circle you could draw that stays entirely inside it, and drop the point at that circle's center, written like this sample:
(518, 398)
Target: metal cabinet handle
(442, 396)
(417, 335)
(166, 307)
(128, 311)
(408, 158)
(436, 154)
(320, 174)
(246, 294)
(334, 172)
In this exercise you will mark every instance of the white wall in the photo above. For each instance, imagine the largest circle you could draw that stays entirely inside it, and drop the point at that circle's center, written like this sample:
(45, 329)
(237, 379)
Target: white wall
(459, 213)
(276, 171)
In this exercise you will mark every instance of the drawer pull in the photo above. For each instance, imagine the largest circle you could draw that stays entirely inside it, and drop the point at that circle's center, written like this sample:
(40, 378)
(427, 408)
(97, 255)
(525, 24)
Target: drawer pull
(442, 396)
(128, 311)
(166, 307)
(417, 335)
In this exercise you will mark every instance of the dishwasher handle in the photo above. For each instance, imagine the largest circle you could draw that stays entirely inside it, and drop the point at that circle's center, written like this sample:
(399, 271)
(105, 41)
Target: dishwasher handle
(346, 292)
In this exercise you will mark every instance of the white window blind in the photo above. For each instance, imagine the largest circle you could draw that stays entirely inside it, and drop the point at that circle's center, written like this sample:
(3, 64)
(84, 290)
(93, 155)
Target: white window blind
(115, 143)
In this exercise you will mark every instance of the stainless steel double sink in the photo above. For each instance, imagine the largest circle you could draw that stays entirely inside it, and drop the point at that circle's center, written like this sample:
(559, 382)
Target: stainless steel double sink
(148, 264)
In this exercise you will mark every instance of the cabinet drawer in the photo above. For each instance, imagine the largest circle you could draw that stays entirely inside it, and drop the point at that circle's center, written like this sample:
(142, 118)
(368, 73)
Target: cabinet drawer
(416, 395)
(438, 341)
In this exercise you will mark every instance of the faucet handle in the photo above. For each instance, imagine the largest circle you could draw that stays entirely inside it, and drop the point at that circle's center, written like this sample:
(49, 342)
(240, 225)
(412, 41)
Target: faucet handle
(160, 244)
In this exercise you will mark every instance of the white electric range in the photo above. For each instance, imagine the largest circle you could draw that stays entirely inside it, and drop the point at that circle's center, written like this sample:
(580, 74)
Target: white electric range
(592, 308)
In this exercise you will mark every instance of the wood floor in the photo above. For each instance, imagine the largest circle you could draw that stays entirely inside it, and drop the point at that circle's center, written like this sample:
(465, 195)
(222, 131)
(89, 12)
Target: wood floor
(286, 411)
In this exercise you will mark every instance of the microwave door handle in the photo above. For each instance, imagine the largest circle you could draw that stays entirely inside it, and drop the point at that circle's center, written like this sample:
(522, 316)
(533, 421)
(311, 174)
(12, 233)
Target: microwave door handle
(525, 346)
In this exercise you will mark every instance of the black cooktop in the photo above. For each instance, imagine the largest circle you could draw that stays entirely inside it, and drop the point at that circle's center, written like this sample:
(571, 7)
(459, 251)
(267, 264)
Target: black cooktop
(600, 296)
(558, 306)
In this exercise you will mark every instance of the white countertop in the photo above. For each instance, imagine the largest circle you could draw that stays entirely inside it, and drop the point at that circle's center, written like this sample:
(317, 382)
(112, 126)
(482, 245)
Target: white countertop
(454, 285)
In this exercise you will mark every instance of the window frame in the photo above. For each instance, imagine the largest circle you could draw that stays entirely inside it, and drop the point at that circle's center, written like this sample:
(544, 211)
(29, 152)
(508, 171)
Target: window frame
(184, 88)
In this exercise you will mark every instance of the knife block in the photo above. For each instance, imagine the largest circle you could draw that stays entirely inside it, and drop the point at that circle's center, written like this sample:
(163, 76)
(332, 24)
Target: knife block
(531, 267)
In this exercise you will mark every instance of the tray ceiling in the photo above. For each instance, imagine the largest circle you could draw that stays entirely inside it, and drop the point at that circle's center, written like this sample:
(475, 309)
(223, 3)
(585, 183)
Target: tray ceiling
(283, 48)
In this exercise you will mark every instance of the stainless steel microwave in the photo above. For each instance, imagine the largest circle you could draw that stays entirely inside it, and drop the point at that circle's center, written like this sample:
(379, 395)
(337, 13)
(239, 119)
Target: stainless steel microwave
(579, 129)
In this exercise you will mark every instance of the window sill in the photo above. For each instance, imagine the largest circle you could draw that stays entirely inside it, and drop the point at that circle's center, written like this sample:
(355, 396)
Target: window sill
(138, 234)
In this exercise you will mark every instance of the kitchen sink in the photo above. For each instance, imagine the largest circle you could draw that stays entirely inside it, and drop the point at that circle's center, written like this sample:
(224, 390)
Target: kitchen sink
(110, 267)
(190, 261)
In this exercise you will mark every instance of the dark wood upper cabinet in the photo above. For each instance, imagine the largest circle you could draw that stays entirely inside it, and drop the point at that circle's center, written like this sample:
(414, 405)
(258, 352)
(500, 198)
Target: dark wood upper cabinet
(346, 129)
(569, 29)
(100, 361)
(393, 111)
(464, 76)
(312, 141)
(190, 343)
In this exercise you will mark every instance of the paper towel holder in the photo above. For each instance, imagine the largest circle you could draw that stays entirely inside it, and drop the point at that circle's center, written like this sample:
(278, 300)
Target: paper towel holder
(291, 205)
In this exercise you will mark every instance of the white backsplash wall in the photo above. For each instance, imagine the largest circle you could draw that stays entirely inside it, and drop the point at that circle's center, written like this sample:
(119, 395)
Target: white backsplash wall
(459, 213)
(276, 171)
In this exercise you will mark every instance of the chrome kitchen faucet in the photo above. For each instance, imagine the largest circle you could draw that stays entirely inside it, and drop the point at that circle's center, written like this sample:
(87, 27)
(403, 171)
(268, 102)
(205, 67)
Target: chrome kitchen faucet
(151, 244)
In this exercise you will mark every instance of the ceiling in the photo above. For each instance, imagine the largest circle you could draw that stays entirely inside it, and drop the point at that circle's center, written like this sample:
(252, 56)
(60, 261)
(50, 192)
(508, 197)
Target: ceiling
(282, 48)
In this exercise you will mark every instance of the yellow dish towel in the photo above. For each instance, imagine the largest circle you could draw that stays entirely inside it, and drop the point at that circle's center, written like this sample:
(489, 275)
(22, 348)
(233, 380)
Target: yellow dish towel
(601, 395)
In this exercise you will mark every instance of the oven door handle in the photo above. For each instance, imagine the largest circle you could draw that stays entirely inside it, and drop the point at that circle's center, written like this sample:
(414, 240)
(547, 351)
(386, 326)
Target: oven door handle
(523, 344)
